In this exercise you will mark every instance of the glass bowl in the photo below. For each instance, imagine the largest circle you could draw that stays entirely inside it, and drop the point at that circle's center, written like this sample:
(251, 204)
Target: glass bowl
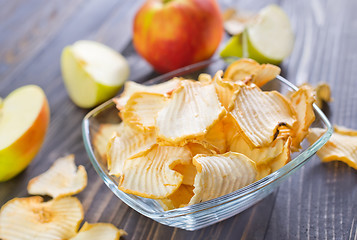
(206, 213)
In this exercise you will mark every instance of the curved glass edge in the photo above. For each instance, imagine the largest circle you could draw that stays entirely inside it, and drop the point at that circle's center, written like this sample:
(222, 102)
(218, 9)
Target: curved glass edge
(241, 193)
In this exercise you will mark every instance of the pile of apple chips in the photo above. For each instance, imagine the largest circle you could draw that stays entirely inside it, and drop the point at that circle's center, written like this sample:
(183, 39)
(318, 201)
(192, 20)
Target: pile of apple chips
(183, 142)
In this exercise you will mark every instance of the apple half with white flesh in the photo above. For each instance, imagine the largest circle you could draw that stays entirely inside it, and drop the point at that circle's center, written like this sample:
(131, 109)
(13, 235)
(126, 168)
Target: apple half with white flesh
(270, 38)
(92, 72)
(24, 119)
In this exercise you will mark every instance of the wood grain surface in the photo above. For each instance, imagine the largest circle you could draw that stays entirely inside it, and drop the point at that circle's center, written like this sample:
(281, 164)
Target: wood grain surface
(316, 202)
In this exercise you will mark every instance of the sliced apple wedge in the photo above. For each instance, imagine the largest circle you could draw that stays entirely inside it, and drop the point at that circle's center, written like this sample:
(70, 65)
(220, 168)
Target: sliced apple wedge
(92, 72)
(24, 118)
(270, 38)
(234, 47)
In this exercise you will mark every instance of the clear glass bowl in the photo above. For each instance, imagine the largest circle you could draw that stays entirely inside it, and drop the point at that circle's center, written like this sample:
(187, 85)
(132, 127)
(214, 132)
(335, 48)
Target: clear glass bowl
(206, 213)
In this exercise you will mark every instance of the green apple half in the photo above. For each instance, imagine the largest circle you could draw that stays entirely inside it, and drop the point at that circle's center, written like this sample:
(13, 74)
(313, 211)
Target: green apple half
(24, 118)
(234, 47)
(268, 38)
(92, 72)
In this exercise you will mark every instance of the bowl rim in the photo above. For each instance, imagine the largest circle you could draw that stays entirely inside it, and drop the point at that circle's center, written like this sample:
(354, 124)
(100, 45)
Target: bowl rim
(263, 183)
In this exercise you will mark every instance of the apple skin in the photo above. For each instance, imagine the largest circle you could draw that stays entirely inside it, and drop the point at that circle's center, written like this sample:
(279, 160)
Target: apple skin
(175, 33)
(233, 48)
(16, 157)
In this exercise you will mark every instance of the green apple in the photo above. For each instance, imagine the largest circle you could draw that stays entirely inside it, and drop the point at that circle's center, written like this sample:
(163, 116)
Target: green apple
(267, 38)
(23, 126)
(234, 47)
(92, 72)
(270, 38)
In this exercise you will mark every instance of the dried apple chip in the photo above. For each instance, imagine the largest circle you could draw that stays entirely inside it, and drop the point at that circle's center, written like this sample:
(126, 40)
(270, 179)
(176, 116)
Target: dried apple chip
(225, 92)
(221, 174)
(246, 69)
(130, 87)
(260, 155)
(126, 143)
(31, 218)
(284, 132)
(197, 148)
(214, 140)
(62, 179)
(193, 109)
(150, 174)
(97, 231)
(323, 94)
(204, 78)
(342, 146)
(241, 69)
(302, 101)
(101, 138)
(345, 131)
(230, 128)
(283, 158)
(264, 168)
(266, 73)
(316, 133)
(262, 171)
(180, 198)
(258, 114)
(141, 110)
(225, 89)
(188, 171)
(228, 14)
(235, 22)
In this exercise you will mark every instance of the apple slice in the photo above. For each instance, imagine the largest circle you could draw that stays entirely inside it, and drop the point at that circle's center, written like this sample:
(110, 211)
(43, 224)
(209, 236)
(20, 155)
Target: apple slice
(269, 39)
(24, 118)
(92, 72)
(234, 47)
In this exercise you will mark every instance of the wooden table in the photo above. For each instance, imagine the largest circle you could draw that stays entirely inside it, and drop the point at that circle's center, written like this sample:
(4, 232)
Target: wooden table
(316, 202)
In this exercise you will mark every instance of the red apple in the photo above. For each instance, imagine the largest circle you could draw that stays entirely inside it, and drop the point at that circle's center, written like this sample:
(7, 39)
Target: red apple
(171, 34)
(24, 118)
